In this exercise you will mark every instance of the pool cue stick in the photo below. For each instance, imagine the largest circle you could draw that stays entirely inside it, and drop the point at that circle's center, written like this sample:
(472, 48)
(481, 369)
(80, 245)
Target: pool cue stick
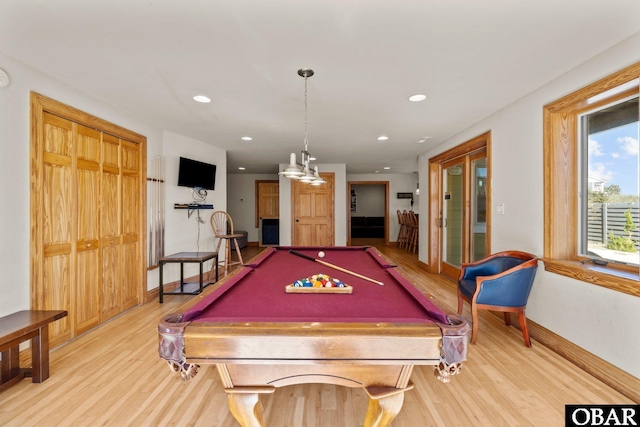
(328, 264)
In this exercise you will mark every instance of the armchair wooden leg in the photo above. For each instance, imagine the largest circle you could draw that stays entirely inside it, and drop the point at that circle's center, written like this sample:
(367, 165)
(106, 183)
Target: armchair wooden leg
(474, 323)
(507, 318)
(460, 302)
(525, 330)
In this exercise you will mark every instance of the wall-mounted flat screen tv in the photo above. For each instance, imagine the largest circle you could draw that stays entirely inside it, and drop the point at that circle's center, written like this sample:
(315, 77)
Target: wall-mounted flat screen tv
(195, 174)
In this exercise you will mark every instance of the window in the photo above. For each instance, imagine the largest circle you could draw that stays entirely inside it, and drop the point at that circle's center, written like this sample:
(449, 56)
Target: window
(609, 183)
(584, 136)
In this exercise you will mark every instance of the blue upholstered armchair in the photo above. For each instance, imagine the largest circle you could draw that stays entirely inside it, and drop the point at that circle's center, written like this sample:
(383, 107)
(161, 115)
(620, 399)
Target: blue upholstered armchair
(501, 282)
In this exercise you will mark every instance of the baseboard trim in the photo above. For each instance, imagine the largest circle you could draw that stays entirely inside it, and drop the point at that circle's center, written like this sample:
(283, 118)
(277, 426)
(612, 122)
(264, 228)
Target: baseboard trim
(609, 374)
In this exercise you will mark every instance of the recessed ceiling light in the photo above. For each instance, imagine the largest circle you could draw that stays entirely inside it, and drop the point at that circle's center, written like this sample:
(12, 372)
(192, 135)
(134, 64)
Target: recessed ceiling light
(246, 138)
(377, 171)
(312, 159)
(383, 138)
(417, 97)
(386, 168)
(201, 98)
(424, 139)
(241, 168)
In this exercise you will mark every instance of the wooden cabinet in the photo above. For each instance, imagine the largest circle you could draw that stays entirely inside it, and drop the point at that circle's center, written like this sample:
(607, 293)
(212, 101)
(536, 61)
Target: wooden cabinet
(87, 213)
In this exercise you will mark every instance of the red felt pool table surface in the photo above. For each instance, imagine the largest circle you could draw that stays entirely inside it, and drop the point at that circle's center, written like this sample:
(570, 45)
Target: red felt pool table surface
(261, 338)
(258, 293)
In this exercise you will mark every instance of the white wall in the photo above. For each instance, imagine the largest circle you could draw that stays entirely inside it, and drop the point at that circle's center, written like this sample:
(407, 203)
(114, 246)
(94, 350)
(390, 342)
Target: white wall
(241, 197)
(369, 200)
(241, 201)
(184, 233)
(601, 321)
(14, 171)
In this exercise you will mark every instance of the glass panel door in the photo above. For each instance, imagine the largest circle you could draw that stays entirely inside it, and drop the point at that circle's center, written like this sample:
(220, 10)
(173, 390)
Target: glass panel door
(452, 222)
(464, 211)
(479, 208)
(459, 206)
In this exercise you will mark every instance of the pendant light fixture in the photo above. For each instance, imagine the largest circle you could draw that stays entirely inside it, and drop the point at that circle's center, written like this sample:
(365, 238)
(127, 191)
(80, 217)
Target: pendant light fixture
(303, 171)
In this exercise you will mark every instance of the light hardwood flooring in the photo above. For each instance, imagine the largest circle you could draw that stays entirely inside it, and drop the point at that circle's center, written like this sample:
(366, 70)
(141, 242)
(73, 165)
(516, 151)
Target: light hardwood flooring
(112, 376)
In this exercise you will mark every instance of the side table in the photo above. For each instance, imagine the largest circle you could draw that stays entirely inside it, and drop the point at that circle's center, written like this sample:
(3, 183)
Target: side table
(189, 288)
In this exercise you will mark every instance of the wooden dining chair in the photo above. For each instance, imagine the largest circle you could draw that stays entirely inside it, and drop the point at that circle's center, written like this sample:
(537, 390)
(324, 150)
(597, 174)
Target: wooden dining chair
(412, 240)
(222, 226)
(401, 231)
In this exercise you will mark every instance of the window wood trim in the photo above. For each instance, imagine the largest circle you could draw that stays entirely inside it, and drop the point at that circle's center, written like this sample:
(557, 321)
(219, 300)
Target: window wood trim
(560, 153)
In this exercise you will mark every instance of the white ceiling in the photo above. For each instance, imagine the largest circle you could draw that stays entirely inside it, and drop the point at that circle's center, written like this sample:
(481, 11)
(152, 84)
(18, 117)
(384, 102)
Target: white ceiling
(471, 58)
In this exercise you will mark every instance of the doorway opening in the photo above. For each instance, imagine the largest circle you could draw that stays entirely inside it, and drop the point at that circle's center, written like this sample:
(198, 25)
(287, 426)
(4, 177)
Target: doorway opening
(368, 213)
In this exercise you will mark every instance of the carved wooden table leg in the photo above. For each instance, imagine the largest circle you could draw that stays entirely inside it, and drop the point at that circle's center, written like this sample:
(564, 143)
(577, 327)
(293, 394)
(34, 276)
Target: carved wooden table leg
(384, 404)
(244, 403)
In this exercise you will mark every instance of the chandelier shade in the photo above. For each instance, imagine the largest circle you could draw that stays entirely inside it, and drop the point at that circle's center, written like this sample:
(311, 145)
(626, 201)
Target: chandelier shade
(292, 171)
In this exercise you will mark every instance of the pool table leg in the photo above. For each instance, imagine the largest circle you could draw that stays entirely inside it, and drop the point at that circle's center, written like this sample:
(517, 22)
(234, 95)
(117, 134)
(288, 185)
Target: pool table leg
(244, 403)
(384, 404)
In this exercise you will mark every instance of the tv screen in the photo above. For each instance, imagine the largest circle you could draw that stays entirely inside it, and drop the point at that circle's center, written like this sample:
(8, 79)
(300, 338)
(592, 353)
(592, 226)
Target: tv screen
(193, 173)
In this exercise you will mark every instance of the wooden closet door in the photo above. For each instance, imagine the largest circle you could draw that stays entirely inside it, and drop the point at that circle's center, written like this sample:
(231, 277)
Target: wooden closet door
(87, 217)
(313, 207)
(130, 224)
(268, 199)
(56, 218)
(85, 299)
(110, 235)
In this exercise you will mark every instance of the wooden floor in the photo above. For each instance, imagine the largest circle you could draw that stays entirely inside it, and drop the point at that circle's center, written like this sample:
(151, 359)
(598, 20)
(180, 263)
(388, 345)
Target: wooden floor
(112, 376)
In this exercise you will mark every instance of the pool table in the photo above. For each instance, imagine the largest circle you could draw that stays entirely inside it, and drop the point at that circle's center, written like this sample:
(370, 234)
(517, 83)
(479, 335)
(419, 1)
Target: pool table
(261, 337)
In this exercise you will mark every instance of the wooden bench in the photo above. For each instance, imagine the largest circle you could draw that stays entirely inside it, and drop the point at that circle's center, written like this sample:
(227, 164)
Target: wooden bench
(21, 326)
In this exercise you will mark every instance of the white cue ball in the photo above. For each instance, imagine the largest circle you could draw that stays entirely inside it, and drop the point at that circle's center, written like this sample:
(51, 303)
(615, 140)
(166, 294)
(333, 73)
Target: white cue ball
(320, 254)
